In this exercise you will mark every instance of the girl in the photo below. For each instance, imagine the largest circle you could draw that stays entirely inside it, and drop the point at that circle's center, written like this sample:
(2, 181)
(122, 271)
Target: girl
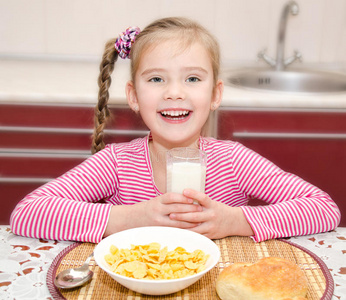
(174, 87)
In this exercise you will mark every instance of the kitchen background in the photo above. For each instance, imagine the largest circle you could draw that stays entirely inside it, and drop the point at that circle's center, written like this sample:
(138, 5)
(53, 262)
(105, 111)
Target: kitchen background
(49, 56)
(77, 30)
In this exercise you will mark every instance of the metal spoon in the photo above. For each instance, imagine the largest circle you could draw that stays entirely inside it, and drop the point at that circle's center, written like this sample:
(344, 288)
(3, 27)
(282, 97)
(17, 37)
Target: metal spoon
(71, 278)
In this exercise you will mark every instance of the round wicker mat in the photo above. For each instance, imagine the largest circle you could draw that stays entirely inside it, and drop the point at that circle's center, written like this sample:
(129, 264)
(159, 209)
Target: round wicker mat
(233, 249)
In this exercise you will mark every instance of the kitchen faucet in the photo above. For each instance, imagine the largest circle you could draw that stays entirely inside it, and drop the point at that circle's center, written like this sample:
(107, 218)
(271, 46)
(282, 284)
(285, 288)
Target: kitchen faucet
(280, 63)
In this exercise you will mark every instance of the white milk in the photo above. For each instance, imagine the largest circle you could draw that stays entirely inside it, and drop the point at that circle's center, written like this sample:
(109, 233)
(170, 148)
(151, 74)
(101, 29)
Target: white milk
(182, 175)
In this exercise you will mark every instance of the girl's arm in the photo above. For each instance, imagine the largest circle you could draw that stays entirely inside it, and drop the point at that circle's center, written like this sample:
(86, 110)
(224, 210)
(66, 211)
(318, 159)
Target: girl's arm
(66, 208)
(296, 206)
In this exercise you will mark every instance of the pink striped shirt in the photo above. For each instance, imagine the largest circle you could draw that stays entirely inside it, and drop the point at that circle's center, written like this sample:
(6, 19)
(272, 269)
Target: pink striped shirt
(70, 208)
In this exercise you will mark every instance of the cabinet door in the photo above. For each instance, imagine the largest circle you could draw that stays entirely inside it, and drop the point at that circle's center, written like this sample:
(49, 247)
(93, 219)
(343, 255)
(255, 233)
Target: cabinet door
(310, 144)
(11, 193)
(63, 127)
(41, 142)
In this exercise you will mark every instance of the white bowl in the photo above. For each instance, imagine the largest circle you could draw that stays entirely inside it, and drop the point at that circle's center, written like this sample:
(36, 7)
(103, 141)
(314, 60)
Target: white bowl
(166, 236)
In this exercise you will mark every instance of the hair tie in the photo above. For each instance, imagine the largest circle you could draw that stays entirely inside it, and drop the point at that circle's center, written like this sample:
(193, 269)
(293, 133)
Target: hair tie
(125, 40)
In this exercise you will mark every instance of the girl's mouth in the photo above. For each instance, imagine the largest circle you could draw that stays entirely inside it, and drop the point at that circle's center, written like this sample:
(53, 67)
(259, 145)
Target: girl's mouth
(175, 115)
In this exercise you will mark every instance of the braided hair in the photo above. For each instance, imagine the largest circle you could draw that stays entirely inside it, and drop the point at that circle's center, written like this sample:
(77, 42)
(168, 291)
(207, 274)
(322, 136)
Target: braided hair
(102, 113)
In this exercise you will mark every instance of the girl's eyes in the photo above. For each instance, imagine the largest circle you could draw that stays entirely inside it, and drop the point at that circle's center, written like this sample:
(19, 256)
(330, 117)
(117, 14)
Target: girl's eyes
(192, 79)
(155, 79)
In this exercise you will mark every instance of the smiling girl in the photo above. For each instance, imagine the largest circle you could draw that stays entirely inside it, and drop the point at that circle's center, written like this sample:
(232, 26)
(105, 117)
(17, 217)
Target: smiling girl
(174, 87)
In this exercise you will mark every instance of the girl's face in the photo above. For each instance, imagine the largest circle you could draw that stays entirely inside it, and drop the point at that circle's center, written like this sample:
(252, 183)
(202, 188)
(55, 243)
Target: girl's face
(175, 93)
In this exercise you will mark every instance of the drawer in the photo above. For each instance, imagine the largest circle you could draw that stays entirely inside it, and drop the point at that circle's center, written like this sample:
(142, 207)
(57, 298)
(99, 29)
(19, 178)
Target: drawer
(63, 127)
(66, 117)
(60, 139)
(313, 122)
(38, 165)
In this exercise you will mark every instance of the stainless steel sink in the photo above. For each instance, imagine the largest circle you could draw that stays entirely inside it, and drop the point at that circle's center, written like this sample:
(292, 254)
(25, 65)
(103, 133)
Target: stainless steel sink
(282, 79)
(299, 81)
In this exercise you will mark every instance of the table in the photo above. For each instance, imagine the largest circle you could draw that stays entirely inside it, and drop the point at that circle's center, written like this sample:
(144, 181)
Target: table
(24, 262)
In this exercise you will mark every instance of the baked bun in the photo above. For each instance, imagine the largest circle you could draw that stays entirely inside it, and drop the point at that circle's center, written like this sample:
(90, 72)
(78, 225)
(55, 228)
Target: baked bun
(268, 279)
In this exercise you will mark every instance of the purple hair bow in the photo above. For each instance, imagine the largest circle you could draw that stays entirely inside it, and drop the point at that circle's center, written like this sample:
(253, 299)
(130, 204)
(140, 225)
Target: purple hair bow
(125, 40)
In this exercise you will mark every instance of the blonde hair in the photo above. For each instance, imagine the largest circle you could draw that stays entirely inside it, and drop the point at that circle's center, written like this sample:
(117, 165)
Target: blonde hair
(183, 30)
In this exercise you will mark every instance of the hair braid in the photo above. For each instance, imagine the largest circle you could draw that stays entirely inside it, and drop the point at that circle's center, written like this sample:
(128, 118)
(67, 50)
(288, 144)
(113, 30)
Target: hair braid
(102, 112)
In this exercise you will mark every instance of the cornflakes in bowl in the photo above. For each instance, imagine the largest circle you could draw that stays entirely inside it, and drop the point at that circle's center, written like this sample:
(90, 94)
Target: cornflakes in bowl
(156, 260)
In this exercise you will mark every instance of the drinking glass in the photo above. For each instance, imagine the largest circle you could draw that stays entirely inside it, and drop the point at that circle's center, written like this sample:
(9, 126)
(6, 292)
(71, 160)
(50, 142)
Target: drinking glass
(186, 168)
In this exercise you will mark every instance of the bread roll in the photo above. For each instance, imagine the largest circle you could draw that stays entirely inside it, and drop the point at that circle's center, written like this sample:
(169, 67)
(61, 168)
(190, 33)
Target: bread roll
(268, 279)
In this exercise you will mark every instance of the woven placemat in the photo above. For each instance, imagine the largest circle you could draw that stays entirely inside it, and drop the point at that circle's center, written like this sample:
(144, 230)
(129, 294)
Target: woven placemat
(233, 249)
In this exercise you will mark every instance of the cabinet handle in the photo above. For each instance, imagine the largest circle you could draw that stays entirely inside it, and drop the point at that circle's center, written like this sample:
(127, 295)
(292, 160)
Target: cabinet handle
(29, 180)
(44, 153)
(71, 130)
(288, 135)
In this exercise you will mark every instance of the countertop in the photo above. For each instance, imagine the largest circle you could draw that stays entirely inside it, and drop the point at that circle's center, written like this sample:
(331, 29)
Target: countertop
(70, 82)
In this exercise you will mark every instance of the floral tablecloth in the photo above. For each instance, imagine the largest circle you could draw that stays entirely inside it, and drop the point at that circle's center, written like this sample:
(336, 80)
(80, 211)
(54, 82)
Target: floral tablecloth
(24, 262)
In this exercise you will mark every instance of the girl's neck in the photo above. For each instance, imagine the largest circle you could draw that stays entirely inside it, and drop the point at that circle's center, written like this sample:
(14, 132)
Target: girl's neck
(156, 146)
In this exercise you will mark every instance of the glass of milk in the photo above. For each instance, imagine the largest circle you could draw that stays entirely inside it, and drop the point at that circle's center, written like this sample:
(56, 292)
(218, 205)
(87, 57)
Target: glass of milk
(186, 168)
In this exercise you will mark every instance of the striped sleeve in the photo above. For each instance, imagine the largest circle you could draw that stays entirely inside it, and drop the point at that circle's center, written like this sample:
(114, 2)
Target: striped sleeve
(66, 208)
(297, 207)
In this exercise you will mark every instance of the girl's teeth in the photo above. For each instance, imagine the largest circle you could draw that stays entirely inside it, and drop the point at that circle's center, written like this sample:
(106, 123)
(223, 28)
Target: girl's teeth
(175, 113)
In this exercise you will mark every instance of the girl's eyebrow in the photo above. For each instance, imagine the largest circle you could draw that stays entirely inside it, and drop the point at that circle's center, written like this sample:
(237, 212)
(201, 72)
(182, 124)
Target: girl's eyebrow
(153, 70)
(161, 70)
(199, 69)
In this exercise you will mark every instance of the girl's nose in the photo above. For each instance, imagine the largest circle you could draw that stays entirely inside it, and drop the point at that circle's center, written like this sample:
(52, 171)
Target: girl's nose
(174, 91)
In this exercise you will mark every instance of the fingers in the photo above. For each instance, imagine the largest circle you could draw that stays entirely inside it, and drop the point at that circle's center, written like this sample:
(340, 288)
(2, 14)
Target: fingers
(196, 196)
(177, 203)
(189, 217)
(182, 225)
(205, 219)
(170, 198)
(195, 216)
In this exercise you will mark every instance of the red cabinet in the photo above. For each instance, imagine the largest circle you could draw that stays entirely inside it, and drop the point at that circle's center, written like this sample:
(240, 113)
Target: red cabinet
(41, 142)
(308, 143)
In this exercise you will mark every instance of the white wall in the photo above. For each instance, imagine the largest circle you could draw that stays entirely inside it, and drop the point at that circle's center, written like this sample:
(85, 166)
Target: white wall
(79, 28)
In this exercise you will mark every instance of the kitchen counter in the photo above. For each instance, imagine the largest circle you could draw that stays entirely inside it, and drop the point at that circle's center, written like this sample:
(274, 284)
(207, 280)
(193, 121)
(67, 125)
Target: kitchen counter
(24, 81)
(60, 82)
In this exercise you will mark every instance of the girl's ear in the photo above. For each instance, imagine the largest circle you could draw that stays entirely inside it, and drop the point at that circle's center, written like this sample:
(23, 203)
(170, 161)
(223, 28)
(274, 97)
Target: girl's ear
(217, 95)
(131, 96)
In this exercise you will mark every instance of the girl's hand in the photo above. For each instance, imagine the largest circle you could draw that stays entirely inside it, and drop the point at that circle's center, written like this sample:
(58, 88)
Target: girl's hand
(155, 212)
(215, 220)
